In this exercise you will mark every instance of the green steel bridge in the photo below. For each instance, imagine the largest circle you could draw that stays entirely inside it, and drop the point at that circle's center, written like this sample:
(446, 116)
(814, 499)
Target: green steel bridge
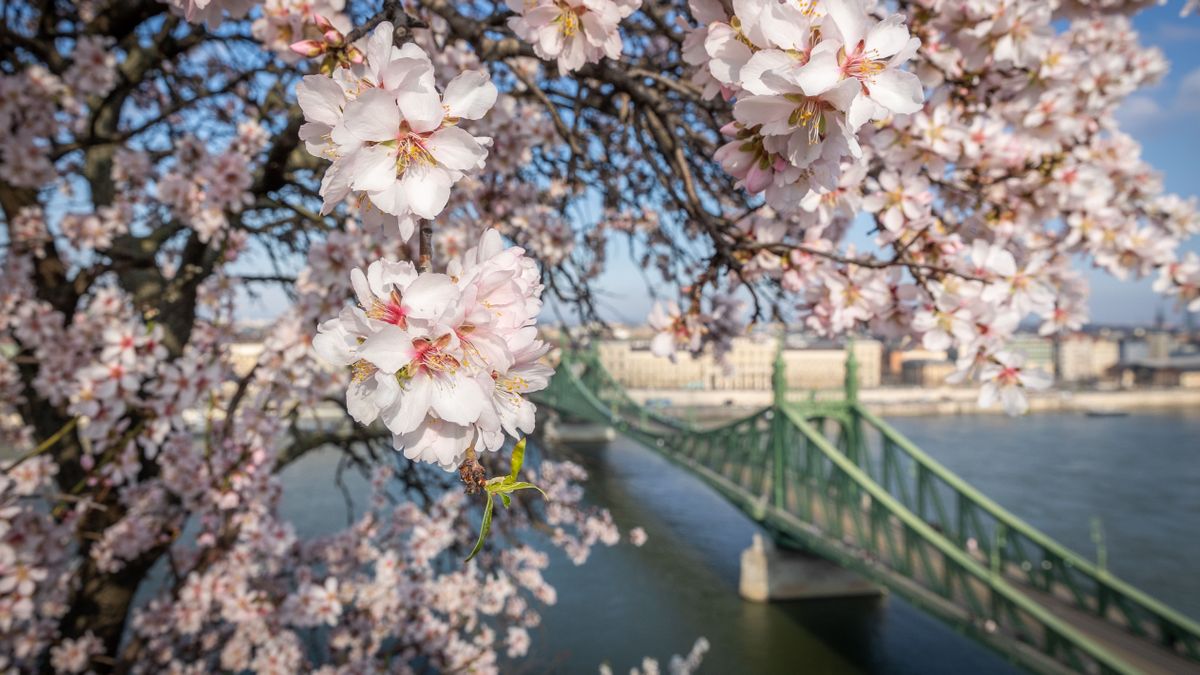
(832, 478)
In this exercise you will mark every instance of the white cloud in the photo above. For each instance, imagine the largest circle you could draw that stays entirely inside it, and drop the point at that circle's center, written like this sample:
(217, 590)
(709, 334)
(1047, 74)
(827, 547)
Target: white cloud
(1188, 97)
(1143, 114)
(1139, 114)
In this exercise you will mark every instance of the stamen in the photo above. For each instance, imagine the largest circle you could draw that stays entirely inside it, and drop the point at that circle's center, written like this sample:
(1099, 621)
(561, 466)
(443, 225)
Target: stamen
(569, 22)
(362, 369)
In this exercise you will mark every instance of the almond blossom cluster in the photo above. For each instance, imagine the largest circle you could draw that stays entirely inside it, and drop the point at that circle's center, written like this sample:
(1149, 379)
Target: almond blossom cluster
(1182, 280)
(249, 591)
(958, 191)
(204, 188)
(211, 12)
(286, 22)
(693, 332)
(378, 586)
(443, 360)
(502, 198)
(395, 141)
(571, 32)
(805, 78)
(30, 99)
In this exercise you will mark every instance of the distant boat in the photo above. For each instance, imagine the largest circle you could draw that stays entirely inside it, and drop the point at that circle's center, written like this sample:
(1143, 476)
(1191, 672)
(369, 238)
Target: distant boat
(1106, 413)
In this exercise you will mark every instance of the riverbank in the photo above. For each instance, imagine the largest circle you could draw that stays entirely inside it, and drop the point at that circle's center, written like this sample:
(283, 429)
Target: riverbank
(908, 401)
(949, 401)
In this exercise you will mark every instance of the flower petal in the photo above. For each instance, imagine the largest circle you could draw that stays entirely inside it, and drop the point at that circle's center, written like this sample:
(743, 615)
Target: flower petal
(457, 398)
(819, 75)
(390, 349)
(374, 168)
(886, 37)
(849, 18)
(422, 109)
(470, 95)
(897, 90)
(762, 62)
(373, 116)
(321, 99)
(456, 149)
(411, 406)
(430, 296)
(426, 192)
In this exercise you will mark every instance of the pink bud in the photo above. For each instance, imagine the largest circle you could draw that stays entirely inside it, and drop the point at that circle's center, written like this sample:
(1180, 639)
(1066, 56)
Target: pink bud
(323, 24)
(308, 48)
(758, 179)
(334, 38)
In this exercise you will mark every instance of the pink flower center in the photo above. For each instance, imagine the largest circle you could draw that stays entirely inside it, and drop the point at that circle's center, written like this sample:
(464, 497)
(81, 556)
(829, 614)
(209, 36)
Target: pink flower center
(410, 148)
(429, 357)
(859, 65)
(392, 311)
(1009, 376)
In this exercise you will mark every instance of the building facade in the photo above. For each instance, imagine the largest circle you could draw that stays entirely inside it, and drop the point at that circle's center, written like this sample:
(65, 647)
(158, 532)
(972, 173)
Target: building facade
(927, 374)
(1086, 358)
(1038, 350)
(750, 363)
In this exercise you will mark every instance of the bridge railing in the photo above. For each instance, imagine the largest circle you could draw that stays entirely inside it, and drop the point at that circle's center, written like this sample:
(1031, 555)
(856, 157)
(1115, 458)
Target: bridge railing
(786, 474)
(1014, 548)
(828, 490)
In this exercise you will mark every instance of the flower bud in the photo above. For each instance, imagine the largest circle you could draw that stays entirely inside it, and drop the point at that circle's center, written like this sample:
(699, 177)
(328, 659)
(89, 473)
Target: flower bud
(308, 48)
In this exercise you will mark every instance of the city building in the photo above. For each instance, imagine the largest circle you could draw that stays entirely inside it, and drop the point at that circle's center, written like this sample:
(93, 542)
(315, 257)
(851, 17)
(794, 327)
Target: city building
(1175, 370)
(1085, 358)
(897, 358)
(1159, 345)
(822, 365)
(1038, 350)
(926, 373)
(244, 355)
(810, 365)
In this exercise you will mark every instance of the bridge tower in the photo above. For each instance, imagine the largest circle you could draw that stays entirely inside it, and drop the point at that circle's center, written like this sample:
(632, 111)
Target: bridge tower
(852, 434)
(768, 572)
(779, 375)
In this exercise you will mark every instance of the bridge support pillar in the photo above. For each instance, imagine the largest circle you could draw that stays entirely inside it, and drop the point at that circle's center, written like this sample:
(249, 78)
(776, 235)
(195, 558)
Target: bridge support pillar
(770, 574)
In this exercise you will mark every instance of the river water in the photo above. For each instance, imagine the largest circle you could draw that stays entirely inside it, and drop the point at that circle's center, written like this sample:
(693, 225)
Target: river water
(1139, 474)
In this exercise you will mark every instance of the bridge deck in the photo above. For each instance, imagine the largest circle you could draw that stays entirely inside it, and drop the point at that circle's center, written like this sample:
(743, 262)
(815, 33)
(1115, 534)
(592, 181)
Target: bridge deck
(1138, 652)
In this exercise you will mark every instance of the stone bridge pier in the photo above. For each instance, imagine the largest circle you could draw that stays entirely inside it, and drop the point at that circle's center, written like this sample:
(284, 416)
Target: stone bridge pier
(771, 574)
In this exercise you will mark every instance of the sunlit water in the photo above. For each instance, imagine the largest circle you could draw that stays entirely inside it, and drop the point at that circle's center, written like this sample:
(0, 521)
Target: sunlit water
(1139, 474)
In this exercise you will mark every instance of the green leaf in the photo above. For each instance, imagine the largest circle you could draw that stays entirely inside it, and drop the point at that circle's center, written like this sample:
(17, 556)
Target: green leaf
(503, 486)
(483, 529)
(518, 458)
(513, 487)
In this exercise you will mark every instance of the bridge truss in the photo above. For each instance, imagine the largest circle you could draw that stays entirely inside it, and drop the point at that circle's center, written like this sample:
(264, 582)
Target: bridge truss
(832, 478)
